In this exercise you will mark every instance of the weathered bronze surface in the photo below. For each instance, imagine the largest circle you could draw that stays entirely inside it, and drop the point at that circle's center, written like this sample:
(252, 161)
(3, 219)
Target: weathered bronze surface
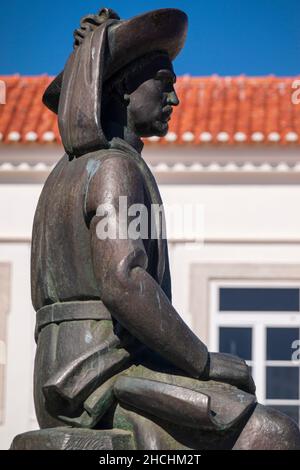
(112, 352)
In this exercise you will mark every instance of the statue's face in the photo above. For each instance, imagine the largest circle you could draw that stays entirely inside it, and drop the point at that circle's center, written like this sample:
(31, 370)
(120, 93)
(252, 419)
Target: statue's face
(151, 104)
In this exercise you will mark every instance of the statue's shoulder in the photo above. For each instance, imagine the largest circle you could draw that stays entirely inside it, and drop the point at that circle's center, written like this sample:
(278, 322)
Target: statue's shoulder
(110, 153)
(113, 172)
(113, 161)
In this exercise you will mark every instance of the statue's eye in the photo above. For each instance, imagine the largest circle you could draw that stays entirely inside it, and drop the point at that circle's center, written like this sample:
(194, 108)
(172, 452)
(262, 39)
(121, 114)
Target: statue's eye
(165, 80)
(166, 76)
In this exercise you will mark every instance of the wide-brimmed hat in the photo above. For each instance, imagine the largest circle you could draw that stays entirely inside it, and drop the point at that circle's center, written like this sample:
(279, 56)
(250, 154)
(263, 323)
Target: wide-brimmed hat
(159, 30)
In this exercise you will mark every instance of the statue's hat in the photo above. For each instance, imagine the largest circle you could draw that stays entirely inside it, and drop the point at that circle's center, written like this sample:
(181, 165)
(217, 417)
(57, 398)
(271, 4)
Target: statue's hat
(159, 30)
(103, 46)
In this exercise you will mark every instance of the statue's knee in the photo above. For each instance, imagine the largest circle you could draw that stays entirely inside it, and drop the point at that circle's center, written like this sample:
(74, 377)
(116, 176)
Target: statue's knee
(269, 429)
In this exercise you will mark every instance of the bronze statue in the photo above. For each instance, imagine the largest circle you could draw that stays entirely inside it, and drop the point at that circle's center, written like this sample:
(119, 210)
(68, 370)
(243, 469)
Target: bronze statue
(113, 355)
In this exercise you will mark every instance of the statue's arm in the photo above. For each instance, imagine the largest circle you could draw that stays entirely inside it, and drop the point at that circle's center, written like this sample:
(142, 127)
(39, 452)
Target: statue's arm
(134, 297)
(126, 288)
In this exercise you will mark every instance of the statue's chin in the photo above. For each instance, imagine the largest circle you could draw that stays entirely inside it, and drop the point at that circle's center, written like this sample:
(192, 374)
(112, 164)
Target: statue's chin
(160, 129)
(157, 129)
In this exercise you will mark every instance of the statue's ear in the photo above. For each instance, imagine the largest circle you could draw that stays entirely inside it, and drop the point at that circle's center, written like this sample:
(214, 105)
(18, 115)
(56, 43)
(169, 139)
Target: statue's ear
(120, 90)
(126, 99)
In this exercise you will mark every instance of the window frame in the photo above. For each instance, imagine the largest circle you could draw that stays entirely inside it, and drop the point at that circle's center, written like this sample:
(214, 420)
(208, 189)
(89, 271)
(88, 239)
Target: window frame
(259, 321)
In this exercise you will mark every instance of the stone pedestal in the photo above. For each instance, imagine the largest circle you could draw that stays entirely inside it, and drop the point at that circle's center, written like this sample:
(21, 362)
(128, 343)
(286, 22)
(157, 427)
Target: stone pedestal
(74, 439)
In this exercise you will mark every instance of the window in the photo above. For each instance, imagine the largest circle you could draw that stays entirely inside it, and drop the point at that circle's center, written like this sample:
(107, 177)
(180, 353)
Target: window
(237, 341)
(259, 299)
(260, 322)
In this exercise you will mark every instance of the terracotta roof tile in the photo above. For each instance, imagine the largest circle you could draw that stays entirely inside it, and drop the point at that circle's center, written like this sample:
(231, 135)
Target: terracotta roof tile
(213, 111)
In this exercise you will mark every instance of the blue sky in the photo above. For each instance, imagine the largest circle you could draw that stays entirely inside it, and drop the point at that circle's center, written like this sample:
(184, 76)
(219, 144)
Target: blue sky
(227, 37)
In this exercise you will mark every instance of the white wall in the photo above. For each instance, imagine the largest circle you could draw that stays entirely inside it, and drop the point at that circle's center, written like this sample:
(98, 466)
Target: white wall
(18, 414)
(17, 207)
(243, 212)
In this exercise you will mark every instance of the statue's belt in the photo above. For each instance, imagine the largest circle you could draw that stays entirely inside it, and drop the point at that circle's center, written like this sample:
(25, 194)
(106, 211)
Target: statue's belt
(70, 311)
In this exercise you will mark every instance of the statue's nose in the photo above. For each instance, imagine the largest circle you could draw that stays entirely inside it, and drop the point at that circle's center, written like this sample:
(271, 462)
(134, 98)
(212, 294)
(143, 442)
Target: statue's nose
(173, 99)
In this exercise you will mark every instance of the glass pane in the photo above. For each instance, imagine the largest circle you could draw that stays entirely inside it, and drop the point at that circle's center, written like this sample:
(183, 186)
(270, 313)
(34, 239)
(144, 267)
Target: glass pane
(283, 382)
(237, 341)
(291, 411)
(279, 343)
(259, 299)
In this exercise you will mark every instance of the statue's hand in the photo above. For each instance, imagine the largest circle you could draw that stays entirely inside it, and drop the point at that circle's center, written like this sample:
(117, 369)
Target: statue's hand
(231, 369)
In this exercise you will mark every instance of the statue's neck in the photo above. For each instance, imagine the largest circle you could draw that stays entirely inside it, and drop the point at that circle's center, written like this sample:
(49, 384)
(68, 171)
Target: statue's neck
(132, 139)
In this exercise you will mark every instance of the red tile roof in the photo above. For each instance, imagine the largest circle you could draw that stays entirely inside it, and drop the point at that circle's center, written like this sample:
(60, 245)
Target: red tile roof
(214, 110)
